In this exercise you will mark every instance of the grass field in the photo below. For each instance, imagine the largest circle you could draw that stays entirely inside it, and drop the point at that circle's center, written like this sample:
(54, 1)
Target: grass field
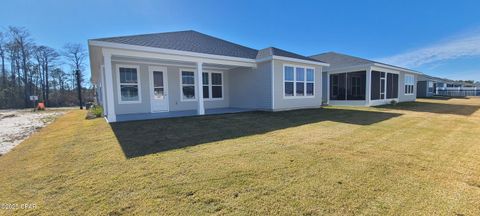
(418, 158)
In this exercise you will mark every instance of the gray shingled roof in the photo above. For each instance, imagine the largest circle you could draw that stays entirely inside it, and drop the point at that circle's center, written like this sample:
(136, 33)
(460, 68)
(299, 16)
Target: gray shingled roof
(270, 51)
(338, 60)
(191, 41)
(194, 41)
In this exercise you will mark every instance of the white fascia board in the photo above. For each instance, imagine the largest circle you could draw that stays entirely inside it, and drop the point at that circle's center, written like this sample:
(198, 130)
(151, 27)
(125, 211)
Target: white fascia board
(349, 69)
(283, 58)
(182, 55)
(396, 68)
(173, 57)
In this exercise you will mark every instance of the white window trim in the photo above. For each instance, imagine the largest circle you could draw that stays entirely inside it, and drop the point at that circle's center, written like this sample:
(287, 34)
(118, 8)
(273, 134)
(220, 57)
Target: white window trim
(119, 89)
(295, 82)
(195, 81)
(405, 84)
(210, 84)
(200, 82)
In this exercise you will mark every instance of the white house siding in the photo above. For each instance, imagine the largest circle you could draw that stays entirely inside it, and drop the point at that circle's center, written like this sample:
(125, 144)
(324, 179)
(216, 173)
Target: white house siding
(174, 93)
(281, 103)
(401, 93)
(176, 104)
(251, 87)
(325, 85)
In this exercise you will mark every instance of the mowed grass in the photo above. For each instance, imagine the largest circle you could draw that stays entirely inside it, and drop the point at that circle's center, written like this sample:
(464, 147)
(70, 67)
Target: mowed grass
(419, 158)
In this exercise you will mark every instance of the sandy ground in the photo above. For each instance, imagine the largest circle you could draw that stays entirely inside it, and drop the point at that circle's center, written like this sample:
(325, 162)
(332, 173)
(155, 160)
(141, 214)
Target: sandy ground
(17, 125)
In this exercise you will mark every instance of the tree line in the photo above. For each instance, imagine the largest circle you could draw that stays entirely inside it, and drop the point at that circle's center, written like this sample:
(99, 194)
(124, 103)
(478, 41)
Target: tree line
(28, 68)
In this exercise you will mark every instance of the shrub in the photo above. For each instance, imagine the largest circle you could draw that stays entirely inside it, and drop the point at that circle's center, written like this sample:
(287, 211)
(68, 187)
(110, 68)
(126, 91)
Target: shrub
(393, 102)
(97, 110)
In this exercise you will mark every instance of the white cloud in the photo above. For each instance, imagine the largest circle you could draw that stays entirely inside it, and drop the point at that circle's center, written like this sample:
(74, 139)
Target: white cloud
(461, 46)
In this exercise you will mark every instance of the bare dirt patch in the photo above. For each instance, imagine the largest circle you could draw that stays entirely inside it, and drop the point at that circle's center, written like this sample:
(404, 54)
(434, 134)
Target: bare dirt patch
(16, 125)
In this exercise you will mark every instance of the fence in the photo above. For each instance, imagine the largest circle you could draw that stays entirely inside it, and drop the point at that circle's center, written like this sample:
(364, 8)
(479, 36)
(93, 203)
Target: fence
(458, 91)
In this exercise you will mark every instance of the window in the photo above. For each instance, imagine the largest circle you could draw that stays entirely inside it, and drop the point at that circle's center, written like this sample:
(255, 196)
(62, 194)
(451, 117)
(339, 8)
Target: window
(310, 82)
(298, 81)
(409, 84)
(188, 85)
(217, 88)
(212, 84)
(128, 84)
(158, 88)
(288, 81)
(206, 83)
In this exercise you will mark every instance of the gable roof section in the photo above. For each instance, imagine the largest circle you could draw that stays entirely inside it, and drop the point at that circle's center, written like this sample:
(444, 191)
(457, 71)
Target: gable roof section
(338, 60)
(193, 41)
(272, 51)
(190, 41)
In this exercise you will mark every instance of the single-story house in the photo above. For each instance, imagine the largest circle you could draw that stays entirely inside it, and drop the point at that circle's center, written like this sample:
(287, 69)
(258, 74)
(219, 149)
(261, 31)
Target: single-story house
(356, 81)
(427, 85)
(189, 73)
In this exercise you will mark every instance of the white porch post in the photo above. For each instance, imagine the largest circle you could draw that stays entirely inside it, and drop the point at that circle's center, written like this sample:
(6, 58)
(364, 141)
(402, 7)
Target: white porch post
(107, 61)
(201, 107)
(368, 86)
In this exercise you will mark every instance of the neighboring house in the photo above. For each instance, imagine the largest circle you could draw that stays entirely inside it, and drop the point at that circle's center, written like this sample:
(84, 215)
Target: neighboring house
(361, 82)
(427, 85)
(189, 73)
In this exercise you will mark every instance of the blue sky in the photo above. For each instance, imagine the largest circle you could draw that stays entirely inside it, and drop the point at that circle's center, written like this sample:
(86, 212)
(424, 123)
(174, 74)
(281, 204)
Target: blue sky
(440, 38)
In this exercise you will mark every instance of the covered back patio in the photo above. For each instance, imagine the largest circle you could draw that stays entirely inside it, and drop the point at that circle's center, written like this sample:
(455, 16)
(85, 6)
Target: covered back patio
(143, 84)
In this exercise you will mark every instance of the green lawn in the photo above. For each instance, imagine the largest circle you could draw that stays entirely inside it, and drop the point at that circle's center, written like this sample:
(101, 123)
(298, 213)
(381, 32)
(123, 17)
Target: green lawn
(410, 159)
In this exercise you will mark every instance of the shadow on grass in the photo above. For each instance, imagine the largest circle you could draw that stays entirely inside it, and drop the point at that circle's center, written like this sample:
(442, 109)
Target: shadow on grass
(440, 108)
(139, 138)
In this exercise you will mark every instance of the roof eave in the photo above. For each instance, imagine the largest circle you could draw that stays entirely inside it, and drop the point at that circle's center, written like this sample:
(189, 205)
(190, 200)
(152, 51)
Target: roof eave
(168, 51)
(396, 68)
(283, 58)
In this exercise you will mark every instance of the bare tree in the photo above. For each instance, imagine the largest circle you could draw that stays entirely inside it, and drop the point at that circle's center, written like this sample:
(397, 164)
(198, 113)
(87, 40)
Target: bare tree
(27, 69)
(76, 55)
(2, 56)
(46, 57)
(21, 37)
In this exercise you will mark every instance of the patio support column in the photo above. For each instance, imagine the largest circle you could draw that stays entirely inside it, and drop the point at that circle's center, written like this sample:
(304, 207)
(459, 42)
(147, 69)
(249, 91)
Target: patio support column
(201, 106)
(368, 86)
(107, 61)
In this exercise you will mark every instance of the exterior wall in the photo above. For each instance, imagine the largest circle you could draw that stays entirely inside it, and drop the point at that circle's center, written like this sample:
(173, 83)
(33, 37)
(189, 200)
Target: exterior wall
(144, 105)
(251, 87)
(174, 93)
(348, 103)
(325, 80)
(282, 103)
(401, 93)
